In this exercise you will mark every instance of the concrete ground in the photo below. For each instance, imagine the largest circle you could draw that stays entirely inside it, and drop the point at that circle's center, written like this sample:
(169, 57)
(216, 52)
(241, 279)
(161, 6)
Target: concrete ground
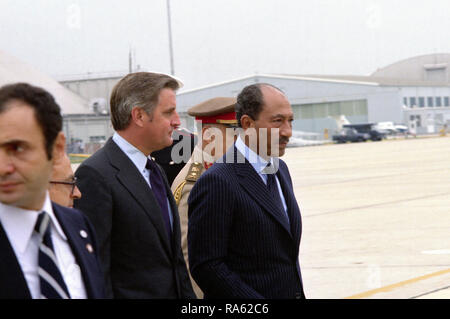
(376, 218)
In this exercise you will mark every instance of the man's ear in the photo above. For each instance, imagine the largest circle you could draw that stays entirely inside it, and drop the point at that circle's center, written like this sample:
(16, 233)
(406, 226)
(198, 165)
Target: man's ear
(137, 115)
(59, 147)
(246, 121)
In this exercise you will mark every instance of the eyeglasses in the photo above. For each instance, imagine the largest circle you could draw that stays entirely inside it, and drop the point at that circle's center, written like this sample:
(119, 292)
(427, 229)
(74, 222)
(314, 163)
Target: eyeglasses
(71, 183)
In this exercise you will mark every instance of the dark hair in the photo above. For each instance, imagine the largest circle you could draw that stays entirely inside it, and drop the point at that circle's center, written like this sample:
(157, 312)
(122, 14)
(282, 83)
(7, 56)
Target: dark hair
(47, 112)
(250, 101)
(137, 89)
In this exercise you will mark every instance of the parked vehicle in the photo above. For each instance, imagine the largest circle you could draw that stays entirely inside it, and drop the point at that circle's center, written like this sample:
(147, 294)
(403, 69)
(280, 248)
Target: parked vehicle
(350, 135)
(391, 128)
(368, 128)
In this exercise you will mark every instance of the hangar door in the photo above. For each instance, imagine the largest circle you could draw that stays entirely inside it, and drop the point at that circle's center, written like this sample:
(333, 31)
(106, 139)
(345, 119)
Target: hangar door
(320, 116)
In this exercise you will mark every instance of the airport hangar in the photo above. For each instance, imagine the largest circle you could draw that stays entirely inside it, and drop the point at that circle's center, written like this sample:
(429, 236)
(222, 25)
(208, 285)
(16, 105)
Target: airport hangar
(414, 92)
(82, 120)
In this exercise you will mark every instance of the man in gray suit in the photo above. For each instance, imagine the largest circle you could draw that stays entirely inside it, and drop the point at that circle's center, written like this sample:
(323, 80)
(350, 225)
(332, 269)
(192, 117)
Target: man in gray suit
(127, 197)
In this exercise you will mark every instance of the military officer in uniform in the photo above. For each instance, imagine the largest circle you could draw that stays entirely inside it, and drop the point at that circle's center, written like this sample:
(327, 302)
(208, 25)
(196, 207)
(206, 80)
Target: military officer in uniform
(216, 119)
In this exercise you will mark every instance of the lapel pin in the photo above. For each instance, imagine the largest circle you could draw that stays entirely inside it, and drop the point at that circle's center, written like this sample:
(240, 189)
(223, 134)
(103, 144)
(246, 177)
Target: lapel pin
(83, 234)
(89, 248)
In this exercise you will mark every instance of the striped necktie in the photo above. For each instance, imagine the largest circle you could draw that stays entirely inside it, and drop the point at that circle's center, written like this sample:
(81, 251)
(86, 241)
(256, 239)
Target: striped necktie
(272, 186)
(50, 278)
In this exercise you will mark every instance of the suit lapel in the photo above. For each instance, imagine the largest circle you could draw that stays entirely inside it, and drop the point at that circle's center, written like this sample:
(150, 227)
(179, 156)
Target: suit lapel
(13, 283)
(255, 187)
(78, 246)
(129, 176)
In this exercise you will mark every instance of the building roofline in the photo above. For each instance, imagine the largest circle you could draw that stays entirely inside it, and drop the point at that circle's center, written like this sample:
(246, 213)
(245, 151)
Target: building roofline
(324, 78)
(384, 81)
(90, 76)
(217, 84)
(410, 59)
(282, 76)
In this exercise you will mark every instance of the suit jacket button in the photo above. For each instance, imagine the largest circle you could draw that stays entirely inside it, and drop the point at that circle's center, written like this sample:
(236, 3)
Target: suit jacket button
(83, 234)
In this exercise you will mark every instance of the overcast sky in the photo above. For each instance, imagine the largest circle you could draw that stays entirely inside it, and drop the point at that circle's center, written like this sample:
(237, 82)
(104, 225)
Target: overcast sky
(220, 40)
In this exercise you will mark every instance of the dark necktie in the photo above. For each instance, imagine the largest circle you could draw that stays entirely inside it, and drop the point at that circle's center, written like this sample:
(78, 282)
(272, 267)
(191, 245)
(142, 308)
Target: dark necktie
(159, 190)
(50, 278)
(273, 190)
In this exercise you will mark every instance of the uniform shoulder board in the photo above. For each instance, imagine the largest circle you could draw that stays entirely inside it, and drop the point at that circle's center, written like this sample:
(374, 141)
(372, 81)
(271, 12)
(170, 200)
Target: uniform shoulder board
(195, 170)
(178, 191)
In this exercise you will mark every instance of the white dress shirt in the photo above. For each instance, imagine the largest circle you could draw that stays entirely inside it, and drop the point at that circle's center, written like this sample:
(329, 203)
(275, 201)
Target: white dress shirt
(140, 161)
(259, 164)
(19, 225)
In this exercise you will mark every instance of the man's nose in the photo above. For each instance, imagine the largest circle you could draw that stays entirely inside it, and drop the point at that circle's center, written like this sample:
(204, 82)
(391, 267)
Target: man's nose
(286, 130)
(6, 164)
(76, 193)
(176, 120)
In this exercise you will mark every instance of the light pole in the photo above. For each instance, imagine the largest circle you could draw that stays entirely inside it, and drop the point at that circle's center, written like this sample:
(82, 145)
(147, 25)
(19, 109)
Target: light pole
(172, 70)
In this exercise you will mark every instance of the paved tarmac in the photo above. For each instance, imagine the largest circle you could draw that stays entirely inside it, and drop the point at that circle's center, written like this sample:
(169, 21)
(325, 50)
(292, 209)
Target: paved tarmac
(376, 218)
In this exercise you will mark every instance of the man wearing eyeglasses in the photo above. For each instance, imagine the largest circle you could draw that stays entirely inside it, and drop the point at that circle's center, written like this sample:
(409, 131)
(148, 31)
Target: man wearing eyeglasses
(63, 189)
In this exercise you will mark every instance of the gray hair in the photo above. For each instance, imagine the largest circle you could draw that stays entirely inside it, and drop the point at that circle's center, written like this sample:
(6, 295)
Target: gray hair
(139, 89)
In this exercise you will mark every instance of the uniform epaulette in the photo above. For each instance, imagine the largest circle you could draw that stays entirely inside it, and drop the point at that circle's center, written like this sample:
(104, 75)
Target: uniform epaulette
(178, 191)
(194, 172)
